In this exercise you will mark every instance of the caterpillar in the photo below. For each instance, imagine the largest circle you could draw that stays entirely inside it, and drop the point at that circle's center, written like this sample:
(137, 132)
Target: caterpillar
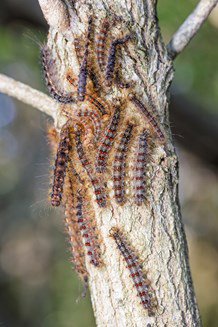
(107, 141)
(100, 43)
(141, 283)
(98, 189)
(87, 231)
(83, 73)
(61, 162)
(140, 168)
(53, 91)
(73, 230)
(120, 165)
(148, 115)
(109, 73)
(86, 113)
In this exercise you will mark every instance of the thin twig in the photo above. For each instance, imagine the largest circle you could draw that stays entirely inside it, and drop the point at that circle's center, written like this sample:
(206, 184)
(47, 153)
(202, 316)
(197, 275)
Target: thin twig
(190, 27)
(28, 95)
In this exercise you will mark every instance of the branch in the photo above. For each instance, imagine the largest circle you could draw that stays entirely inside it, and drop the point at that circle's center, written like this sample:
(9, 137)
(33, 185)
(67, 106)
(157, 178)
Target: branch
(190, 27)
(28, 95)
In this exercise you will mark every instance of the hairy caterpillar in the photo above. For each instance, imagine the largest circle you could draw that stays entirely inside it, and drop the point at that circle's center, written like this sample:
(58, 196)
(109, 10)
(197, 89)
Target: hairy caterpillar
(61, 162)
(48, 74)
(87, 231)
(120, 165)
(83, 73)
(98, 189)
(112, 58)
(141, 283)
(107, 141)
(148, 115)
(140, 168)
(73, 230)
(100, 43)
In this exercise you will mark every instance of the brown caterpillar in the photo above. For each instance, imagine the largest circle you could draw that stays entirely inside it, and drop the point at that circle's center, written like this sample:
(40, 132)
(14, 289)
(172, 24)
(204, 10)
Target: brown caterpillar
(112, 59)
(87, 231)
(95, 118)
(107, 141)
(99, 192)
(83, 73)
(61, 162)
(140, 168)
(100, 43)
(148, 115)
(141, 283)
(55, 93)
(120, 165)
(73, 230)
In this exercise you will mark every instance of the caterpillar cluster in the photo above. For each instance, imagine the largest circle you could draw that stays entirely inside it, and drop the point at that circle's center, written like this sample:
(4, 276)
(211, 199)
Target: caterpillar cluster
(95, 145)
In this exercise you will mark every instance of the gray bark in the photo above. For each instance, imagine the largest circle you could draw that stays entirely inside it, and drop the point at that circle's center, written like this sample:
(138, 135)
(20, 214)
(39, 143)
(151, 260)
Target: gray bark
(155, 230)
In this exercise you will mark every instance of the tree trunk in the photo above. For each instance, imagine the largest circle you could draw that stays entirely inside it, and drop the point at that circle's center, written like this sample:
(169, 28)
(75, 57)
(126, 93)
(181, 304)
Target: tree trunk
(155, 229)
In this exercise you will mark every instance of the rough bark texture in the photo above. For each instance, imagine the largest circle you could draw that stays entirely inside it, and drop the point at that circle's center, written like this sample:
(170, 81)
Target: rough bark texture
(155, 230)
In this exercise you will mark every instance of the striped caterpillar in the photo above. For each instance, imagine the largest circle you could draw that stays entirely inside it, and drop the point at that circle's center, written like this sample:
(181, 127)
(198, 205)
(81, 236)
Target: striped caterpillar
(87, 231)
(55, 93)
(73, 230)
(141, 283)
(61, 162)
(112, 58)
(83, 73)
(148, 115)
(107, 141)
(98, 189)
(140, 168)
(100, 43)
(120, 165)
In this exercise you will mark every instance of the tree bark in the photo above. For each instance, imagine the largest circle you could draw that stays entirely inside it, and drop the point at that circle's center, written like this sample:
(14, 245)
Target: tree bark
(154, 230)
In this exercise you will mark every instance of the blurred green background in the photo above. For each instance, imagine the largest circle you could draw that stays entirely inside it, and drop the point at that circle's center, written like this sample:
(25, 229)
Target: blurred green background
(37, 284)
